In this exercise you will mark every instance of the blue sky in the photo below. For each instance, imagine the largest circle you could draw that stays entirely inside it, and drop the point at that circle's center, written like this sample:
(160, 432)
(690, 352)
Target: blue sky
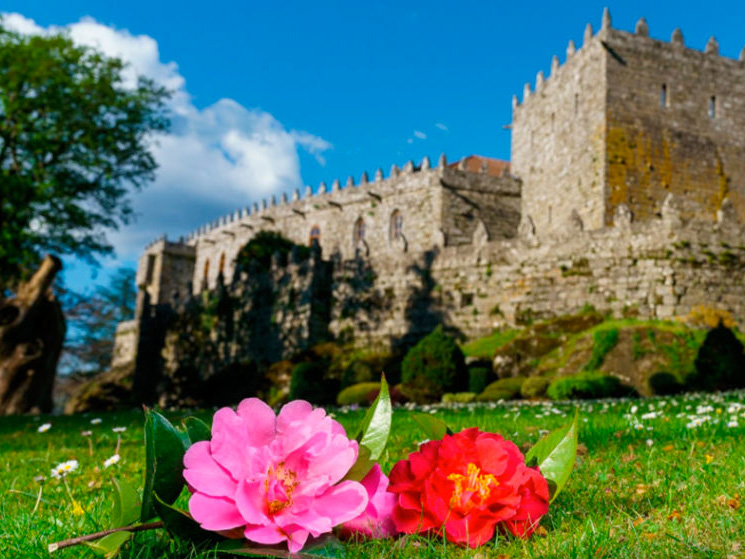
(274, 95)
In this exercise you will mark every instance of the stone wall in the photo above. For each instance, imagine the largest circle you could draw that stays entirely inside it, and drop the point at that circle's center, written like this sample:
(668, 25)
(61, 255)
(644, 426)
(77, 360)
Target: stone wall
(688, 140)
(125, 343)
(558, 133)
(660, 269)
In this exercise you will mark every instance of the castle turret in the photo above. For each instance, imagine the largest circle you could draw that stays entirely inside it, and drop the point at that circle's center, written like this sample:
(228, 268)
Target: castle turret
(626, 121)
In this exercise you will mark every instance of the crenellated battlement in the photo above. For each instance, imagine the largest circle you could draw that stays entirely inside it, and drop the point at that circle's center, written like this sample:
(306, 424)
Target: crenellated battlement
(269, 209)
(414, 208)
(641, 32)
(266, 207)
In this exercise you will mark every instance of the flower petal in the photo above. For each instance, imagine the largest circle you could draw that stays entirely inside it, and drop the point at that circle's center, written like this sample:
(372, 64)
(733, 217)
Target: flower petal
(264, 534)
(214, 513)
(230, 442)
(204, 474)
(262, 421)
(342, 502)
(250, 502)
(295, 411)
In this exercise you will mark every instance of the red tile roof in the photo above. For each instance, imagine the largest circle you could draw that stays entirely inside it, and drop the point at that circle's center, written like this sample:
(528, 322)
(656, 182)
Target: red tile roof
(494, 167)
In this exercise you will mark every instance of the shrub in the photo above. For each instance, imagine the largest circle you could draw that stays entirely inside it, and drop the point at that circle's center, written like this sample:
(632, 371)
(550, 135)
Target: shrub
(720, 362)
(361, 393)
(586, 385)
(602, 342)
(502, 389)
(478, 378)
(665, 384)
(458, 398)
(534, 387)
(433, 367)
(309, 383)
(364, 367)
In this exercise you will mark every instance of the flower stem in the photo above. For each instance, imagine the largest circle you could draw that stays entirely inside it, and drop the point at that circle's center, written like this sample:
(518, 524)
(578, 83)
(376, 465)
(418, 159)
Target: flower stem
(90, 537)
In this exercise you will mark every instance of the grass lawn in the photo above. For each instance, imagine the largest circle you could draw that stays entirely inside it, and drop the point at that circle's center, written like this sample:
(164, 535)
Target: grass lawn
(660, 477)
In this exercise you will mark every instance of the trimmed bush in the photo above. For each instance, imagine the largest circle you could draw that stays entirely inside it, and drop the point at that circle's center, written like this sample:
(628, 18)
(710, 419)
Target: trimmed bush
(364, 367)
(458, 398)
(720, 362)
(309, 383)
(665, 384)
(534, 387)
(602, 342)
(478, 378)
(502, 389)
(362, 393)
(433, 367)
(585, 386)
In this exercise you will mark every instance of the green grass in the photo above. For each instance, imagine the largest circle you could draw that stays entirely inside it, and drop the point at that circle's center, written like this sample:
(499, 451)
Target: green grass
(676, 497)
(484, 348)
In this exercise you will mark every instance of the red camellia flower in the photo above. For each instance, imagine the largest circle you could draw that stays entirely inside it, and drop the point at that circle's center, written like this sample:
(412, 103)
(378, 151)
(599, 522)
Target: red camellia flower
(467, 485)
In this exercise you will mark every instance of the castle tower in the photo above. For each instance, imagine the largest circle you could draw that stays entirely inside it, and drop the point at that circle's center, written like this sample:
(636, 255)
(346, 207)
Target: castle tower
(165, 269)
(628, 119)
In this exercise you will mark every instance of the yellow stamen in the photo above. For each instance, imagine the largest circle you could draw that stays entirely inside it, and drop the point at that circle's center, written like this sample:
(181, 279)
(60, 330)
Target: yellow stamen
(472, 483)
(288, 479)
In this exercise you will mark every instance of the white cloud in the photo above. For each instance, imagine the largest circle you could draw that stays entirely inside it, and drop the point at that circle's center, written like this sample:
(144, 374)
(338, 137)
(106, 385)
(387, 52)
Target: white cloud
(410, 140)
(214, 160)
(420, 135)
(441, 126)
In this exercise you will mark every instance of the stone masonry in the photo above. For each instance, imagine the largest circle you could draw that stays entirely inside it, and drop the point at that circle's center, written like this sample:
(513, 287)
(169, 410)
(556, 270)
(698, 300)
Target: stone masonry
(626, 191)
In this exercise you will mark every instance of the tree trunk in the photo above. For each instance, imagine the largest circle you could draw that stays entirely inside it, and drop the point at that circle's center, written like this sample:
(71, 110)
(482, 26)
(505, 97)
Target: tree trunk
(32, 330)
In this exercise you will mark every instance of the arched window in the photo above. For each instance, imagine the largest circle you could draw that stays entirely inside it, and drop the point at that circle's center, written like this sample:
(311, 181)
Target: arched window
(359, 230)
(713, 107)
(397, 225)
(663, 96)
(315, 235)
(222, 264)
(206, 268)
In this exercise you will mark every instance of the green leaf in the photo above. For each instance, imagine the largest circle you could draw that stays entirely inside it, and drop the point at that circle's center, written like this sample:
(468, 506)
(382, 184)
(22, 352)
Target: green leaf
(325, 546)
(127, 504)
(197, 430)
(164, 456)
(109, 546)
(554, 455)
(363, 465)
(180, 524)
(376, 425)
(432, 428)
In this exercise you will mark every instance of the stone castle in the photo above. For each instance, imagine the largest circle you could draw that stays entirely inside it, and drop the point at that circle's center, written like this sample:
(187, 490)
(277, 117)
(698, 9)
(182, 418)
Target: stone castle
(626, 191)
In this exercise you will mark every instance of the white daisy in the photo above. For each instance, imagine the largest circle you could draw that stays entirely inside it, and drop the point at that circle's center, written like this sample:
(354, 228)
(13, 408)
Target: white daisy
(119, 429)
(96, 421)
(44, 428)
(61, 470)
(111, 461)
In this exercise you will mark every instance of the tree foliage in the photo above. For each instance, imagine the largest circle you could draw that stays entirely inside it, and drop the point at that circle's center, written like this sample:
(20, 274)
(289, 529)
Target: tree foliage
(263, 246)
(74, 139)
(92, 320)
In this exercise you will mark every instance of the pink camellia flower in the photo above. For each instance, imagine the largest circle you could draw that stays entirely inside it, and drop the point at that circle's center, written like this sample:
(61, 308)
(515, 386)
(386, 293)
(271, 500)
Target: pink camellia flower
(377, 519)
(276, 478)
